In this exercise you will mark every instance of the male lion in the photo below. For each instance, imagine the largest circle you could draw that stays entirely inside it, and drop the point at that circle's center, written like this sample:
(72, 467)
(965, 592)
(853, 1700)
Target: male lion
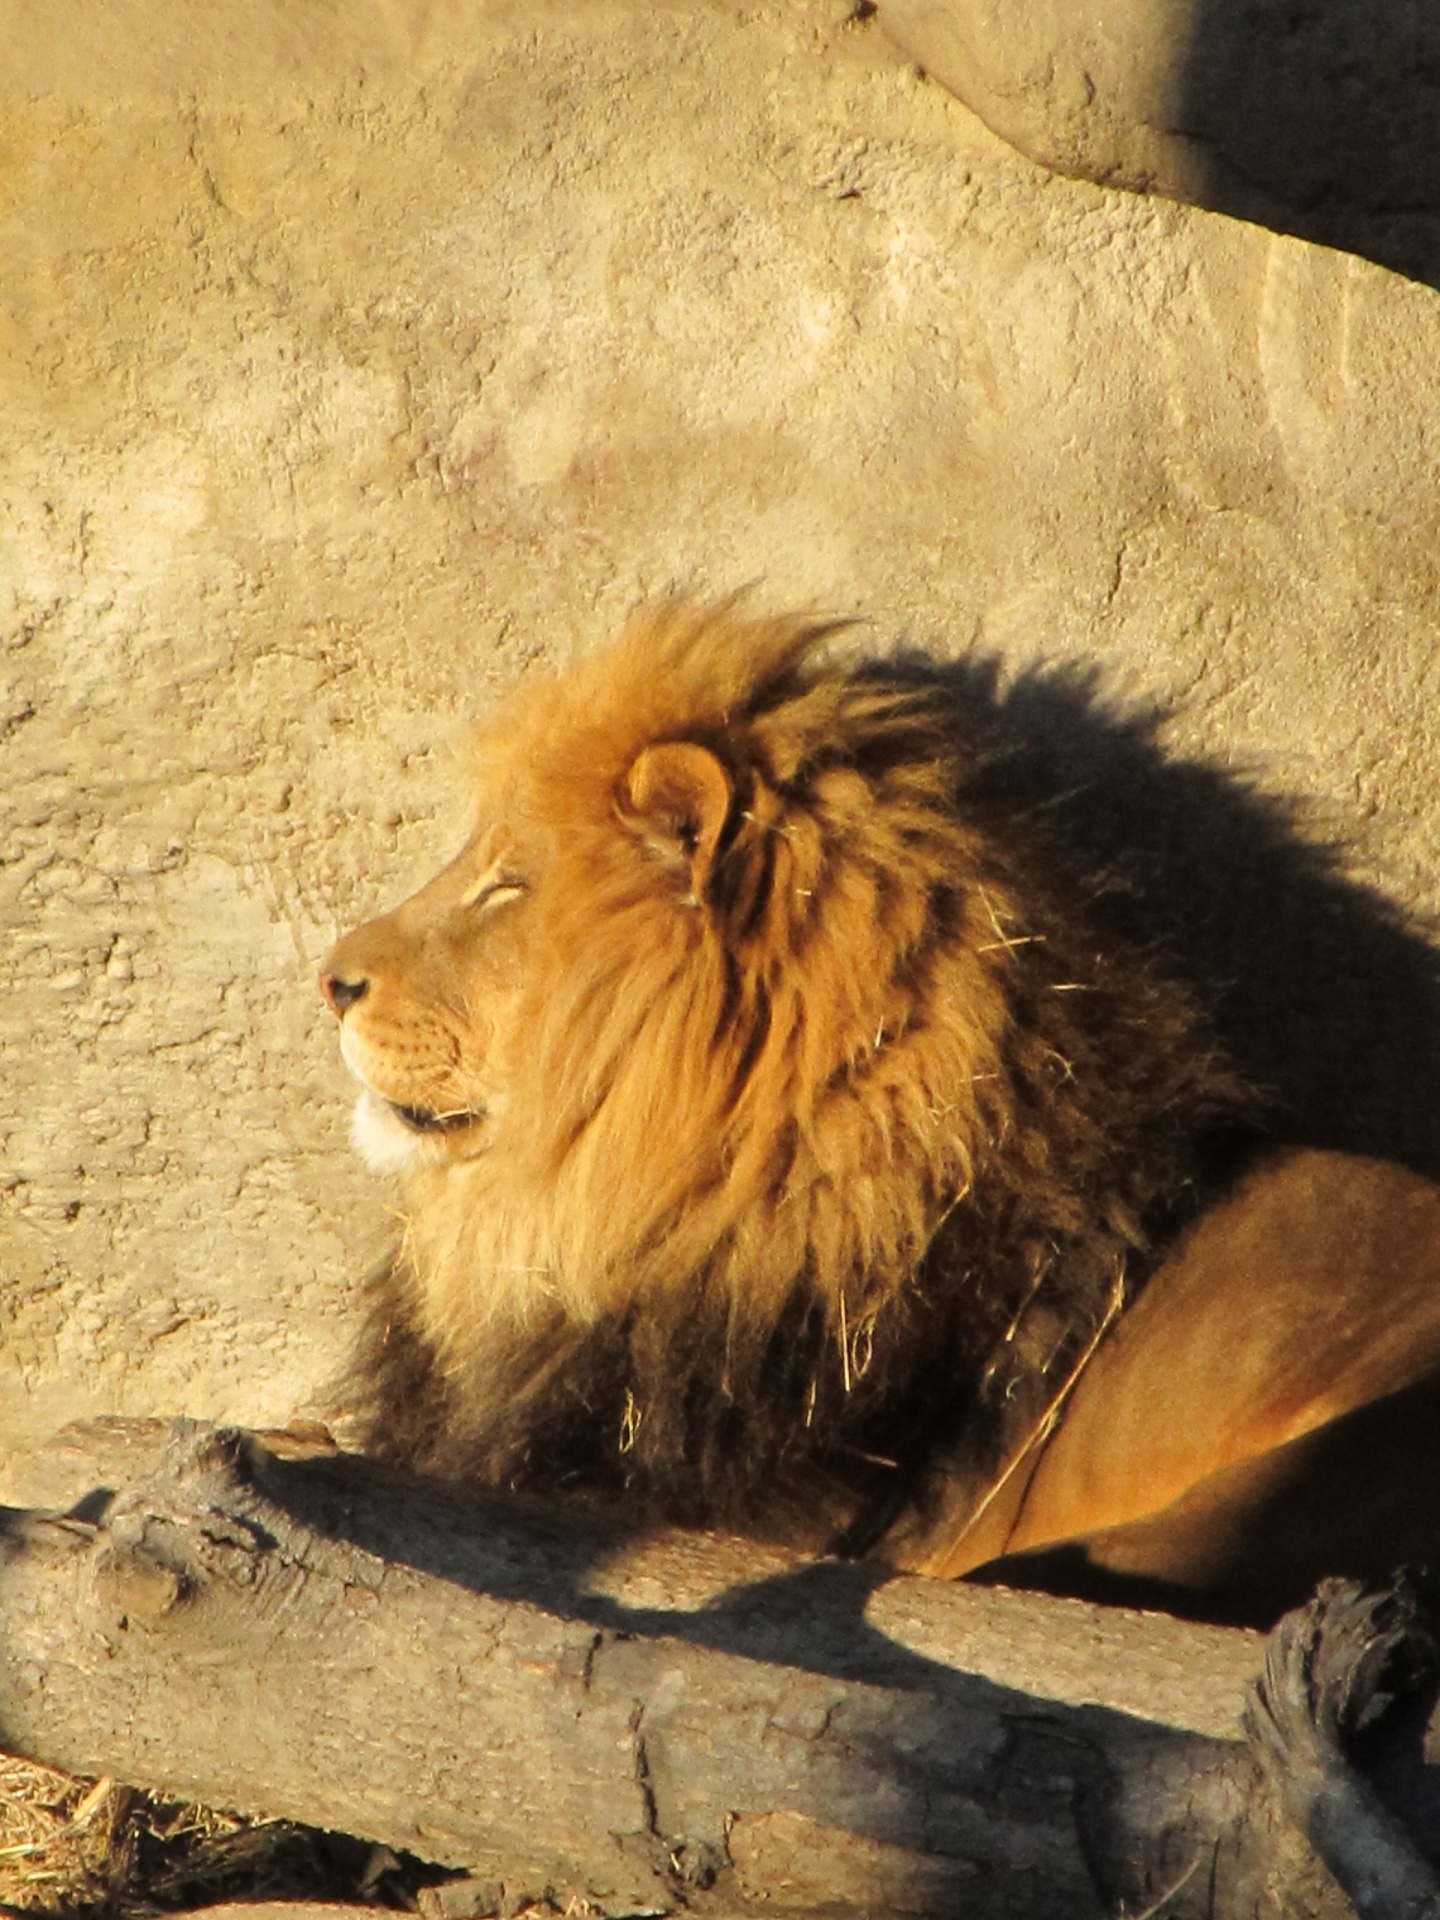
(786, 1147)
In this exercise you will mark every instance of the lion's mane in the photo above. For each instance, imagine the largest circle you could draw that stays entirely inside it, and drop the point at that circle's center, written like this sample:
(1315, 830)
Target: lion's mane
(822, 1141)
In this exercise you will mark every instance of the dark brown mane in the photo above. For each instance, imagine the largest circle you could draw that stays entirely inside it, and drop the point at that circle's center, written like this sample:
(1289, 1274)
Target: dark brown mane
(923, 1118)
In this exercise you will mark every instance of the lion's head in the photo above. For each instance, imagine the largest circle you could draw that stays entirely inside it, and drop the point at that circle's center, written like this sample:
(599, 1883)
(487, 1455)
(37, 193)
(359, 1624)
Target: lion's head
(760, 1087)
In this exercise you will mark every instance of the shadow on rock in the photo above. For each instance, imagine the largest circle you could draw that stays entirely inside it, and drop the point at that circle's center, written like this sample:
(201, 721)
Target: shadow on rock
(1320, 120)
(1326, 991)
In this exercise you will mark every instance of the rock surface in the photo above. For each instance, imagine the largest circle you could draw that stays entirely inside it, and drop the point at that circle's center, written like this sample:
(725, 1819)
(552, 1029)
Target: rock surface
(1323, 121)
(352, 360)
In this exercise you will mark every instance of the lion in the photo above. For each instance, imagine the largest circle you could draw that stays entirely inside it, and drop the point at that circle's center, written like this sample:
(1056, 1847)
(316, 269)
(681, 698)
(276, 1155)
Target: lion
(787, 1144)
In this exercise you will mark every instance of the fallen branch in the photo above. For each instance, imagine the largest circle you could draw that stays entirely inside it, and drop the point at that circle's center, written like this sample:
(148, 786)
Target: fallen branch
(681, 1721)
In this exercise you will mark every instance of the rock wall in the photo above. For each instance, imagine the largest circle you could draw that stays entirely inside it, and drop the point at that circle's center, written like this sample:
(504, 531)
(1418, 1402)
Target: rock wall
(353, 359)
(1322, 121)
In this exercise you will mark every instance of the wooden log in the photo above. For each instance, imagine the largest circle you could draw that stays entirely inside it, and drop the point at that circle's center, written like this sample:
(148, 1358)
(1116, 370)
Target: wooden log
(680, 1721)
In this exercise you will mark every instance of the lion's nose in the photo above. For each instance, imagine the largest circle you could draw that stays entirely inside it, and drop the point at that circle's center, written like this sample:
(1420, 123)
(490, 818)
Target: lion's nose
(340, 994)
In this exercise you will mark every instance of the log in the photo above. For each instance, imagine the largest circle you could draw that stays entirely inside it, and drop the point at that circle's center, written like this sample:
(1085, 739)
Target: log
(642, 1725)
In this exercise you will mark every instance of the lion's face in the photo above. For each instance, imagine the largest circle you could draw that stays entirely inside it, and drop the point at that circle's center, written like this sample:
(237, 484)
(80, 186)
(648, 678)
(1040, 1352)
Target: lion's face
(680, 1013)
(426, 998)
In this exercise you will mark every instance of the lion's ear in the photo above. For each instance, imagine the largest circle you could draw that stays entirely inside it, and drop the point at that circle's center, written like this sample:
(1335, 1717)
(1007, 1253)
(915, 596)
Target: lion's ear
(680, 799)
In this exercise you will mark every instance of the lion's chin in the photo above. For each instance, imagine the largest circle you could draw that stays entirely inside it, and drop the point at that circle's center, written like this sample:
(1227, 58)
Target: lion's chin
(389, 1138)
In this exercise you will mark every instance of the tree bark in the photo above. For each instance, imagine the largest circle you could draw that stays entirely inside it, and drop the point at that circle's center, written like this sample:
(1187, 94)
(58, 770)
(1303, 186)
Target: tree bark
(644, 1725)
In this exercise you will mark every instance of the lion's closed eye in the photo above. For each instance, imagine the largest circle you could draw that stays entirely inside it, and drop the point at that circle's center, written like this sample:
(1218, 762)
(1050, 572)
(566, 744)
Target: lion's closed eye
(495, 890)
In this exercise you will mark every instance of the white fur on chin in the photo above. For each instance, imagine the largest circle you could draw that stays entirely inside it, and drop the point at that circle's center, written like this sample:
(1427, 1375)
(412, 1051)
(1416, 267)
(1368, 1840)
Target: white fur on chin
(381, 1138)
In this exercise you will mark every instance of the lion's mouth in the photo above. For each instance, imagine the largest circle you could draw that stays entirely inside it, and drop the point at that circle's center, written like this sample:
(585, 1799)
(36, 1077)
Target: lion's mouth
(427, 1120)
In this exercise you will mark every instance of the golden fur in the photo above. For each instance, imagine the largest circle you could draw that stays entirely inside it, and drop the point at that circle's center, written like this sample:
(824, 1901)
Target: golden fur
(777, 1128)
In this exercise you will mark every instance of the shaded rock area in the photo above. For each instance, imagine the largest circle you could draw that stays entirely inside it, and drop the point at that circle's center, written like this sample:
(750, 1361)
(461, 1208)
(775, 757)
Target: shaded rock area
(1320, 120)
(352, 361)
